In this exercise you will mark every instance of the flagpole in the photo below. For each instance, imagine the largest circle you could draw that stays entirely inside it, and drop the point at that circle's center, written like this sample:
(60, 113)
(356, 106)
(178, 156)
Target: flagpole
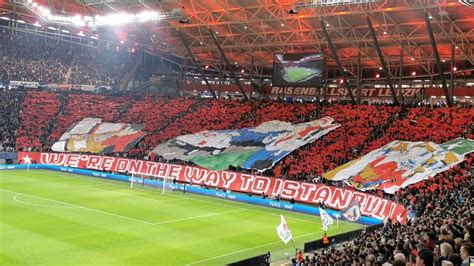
(292, 242)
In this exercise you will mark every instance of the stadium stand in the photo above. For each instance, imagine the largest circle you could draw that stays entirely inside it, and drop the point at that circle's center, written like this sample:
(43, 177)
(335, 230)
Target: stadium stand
(39, 108)
(101, 68)
(34, 120)
(389, 50)
(444, 222)
(442, 218)
(365, 127)
(32, 58)
(10, 109)
(358, 123)
(45, 60)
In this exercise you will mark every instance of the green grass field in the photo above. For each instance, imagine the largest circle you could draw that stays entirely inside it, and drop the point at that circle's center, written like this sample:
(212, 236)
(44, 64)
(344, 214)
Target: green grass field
(54, 218)
(298, 74)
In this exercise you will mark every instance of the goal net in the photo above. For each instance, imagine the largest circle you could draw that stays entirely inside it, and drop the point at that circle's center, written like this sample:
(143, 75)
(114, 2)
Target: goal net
(165, 185)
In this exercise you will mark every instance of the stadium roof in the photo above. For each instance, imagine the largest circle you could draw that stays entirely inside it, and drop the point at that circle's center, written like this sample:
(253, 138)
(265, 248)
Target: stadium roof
(253, 30)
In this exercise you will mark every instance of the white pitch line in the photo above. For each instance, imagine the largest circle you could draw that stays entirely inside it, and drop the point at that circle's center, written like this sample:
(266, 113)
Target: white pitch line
(107, 182)
(247, 249)
(15, 198)
(198, 217)
(81, 207)
(131, 195)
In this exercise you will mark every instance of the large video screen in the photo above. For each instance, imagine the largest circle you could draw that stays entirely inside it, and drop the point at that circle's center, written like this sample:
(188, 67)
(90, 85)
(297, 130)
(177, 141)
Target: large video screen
(298, 70)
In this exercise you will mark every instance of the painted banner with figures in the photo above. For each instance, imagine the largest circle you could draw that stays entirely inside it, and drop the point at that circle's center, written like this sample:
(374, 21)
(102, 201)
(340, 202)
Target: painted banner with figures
(94, 136)
(332, 197)
(256, 148)
(401, 163)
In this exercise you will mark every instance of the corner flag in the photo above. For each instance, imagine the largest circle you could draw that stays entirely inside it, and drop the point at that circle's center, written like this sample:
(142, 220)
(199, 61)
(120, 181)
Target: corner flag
(283, 231)
(326, 219)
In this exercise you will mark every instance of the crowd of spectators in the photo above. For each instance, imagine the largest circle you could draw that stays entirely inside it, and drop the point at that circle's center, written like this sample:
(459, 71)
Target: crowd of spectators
(363, 127)
(441, 233)
(33, 58)
(39, 112)
(443, 207)
(27, 57)
(11, 104)
(105, 68)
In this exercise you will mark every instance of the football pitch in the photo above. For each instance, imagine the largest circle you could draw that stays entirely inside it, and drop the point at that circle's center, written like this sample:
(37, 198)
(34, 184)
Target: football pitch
(56, 218)
(299, 74)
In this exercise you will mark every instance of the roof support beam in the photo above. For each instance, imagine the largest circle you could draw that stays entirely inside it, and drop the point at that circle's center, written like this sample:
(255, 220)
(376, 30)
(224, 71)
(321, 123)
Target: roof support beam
(382, 61)
(452, 70)
(336, 58)
(401, 34)
(449, 100)
(196, 63)
(400, 76)
(231, 67)
(359, 77)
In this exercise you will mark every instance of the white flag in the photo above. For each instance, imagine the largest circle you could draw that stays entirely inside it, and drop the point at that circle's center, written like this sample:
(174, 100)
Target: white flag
(352, 212)
(326, 219)
(283, 231)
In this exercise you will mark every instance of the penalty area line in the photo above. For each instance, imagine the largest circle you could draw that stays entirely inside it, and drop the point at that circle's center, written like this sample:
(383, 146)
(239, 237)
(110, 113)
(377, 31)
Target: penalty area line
(15, 198)
(80, 207)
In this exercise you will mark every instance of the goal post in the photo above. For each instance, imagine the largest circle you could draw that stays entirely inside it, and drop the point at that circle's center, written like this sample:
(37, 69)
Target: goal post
(136, 178)
(164, 184)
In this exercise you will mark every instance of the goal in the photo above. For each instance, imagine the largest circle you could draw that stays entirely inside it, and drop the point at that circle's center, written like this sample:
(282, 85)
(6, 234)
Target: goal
(165, 184)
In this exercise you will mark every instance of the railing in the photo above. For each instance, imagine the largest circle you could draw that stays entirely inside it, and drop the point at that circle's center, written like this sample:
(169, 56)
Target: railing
(310, 246)
(254, 261)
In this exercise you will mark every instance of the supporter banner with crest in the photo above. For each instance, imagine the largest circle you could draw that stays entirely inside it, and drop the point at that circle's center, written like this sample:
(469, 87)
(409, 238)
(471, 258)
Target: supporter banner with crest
(256, 148)
(94, 136)
(401, 163)
(332, 197)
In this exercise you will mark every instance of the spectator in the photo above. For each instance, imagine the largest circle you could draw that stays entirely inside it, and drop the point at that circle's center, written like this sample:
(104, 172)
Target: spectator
(399, 259)
(424, 257)
(467, 250)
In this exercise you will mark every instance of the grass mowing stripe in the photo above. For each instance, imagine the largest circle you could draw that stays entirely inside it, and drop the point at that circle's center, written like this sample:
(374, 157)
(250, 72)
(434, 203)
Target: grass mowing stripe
(198, 217)
(131, 195)
(30, 180)
(247, 249)
(217, 232)
(109, 183)
(290, 217)
(15, 198)
(116, 184)
(262, 212)
(80, 207)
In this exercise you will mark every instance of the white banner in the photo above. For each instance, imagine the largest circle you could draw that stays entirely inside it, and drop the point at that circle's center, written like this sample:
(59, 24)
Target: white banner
(26, 84)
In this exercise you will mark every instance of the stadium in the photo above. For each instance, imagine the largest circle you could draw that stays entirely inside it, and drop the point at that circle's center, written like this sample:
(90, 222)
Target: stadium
(236, 132)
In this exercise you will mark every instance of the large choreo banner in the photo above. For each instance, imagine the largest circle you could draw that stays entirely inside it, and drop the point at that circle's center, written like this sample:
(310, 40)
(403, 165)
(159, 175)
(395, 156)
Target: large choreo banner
(401, 163)
(256, 148)
(332, 197)
(94, 136)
